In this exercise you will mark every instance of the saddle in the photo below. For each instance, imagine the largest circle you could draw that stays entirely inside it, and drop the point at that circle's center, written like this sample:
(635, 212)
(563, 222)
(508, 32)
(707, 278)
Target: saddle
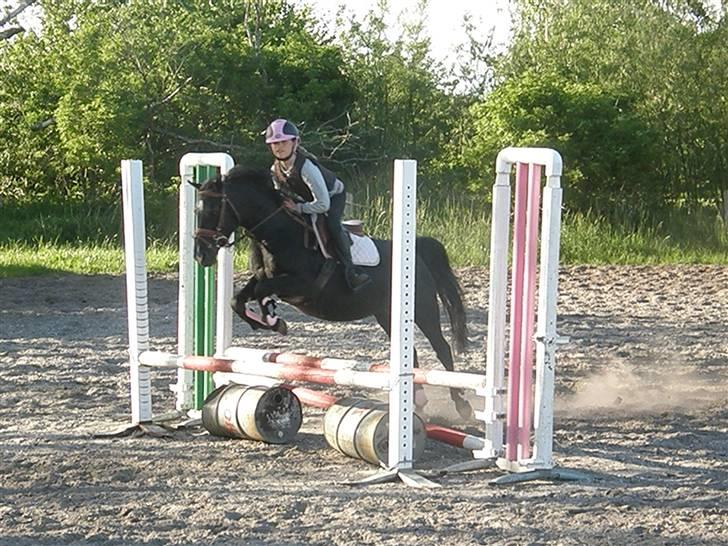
(363, 250)
(321, 239)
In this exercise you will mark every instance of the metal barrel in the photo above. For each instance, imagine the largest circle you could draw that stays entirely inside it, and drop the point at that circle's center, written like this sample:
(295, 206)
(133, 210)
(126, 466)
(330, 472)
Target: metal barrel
(359, 428)
(268, 414)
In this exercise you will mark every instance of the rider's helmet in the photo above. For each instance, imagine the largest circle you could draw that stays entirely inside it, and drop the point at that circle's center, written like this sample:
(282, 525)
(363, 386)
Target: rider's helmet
(280, 130)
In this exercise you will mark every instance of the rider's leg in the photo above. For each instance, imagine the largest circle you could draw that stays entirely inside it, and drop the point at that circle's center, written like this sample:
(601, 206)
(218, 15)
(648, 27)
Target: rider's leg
(354, 277)
(239, 302)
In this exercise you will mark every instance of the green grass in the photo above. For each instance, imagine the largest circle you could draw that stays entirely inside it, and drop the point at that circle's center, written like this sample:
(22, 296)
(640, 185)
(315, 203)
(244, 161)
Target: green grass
(462, 225)
(33, 259)
(97, 224)
(48, 240)
(679, 239)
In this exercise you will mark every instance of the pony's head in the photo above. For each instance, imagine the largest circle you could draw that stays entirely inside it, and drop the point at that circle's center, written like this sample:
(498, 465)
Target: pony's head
(242, 197)
(215, 220)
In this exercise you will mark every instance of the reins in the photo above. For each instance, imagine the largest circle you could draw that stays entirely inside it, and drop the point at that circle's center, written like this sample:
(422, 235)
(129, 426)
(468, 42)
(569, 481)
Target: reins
(216, 237)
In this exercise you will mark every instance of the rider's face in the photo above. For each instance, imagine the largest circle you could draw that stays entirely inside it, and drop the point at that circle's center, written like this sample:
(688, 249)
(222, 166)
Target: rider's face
(282, 150)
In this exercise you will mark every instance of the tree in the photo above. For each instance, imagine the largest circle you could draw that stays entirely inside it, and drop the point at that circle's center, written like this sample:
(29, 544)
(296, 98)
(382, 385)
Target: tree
(664, 55)
(9, 12)
(107, 80)
(402, 108)
(606, 146)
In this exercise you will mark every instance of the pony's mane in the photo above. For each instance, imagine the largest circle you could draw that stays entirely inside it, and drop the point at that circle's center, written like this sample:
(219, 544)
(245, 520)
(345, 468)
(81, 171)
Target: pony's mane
(257, 178)
(260, 178)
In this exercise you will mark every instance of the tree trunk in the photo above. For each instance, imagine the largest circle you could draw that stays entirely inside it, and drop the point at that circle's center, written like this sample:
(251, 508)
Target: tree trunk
(10, 32)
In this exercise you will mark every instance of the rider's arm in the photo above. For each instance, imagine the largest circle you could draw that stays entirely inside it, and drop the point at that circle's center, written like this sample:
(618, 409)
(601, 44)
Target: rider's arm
(313, 178)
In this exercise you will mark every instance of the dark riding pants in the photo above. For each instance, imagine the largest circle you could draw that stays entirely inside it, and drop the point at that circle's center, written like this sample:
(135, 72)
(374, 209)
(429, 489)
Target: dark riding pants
(333, 222)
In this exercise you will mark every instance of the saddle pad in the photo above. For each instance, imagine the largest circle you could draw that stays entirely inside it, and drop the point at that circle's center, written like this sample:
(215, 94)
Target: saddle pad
(364, 251)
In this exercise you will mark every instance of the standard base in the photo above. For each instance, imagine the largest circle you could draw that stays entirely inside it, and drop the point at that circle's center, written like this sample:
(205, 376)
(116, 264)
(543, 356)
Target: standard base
(516, 473)
(408, 477)
(157, 427)
(147, 428)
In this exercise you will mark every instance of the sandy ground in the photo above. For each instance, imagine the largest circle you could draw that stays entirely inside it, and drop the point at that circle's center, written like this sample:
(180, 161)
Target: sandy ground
(641, 408)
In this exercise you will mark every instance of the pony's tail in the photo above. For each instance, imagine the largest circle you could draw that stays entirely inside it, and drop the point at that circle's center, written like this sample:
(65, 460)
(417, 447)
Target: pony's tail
(451, 294)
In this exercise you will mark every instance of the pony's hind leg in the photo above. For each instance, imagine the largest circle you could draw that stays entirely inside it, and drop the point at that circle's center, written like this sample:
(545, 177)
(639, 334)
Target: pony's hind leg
(420, 397)
(427, 317)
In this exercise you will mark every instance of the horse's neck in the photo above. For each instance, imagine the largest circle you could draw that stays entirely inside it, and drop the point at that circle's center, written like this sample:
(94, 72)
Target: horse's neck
(277, 230)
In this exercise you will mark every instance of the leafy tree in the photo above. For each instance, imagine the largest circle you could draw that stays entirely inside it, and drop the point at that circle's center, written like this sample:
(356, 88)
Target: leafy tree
(607, 148)
(403, 106)
(664, 55)
(153, 80)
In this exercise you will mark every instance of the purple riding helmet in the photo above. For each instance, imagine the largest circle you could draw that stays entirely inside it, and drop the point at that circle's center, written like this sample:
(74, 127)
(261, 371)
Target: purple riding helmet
(280, 130)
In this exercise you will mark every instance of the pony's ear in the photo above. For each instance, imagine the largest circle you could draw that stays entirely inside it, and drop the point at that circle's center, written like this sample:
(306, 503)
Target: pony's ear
(195, 184)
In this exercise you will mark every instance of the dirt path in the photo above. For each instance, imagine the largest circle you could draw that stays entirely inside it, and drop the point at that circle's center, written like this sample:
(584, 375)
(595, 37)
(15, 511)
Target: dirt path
(641, 407)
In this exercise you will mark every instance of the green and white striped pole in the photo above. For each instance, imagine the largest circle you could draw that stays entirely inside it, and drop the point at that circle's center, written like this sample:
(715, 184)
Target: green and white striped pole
(198, 313)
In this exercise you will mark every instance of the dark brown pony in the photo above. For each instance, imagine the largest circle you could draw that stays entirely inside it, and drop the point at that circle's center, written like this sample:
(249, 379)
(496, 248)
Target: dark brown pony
(282, 266)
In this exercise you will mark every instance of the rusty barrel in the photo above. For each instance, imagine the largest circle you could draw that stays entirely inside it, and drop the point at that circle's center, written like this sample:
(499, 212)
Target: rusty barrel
(268, 414)
(359, 428)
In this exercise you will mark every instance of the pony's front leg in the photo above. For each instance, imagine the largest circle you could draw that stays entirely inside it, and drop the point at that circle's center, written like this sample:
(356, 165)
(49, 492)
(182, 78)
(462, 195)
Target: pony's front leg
(270, 317)
(285, 287)
(239, 305)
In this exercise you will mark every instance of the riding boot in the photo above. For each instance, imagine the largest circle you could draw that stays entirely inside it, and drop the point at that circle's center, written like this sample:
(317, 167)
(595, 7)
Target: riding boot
(355, 279)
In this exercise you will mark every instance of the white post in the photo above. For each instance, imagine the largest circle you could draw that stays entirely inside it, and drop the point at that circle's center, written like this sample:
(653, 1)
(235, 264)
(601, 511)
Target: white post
(225, 259)
(185, 317)
(546, 336)
(494, 393)
(401, 356)
(136, 287)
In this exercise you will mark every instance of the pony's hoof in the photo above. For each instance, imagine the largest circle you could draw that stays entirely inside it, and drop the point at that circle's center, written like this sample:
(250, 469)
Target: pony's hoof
(281, 327)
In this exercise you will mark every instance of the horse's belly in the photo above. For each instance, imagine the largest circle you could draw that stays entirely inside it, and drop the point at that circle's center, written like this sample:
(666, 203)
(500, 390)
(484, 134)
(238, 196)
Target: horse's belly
(337, 309)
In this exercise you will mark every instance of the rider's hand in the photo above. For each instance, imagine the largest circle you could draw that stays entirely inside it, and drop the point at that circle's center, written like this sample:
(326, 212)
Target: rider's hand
(290, 205)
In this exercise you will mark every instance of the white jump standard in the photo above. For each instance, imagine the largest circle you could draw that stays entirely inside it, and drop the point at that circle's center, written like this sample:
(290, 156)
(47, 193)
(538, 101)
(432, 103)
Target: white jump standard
(524, 404)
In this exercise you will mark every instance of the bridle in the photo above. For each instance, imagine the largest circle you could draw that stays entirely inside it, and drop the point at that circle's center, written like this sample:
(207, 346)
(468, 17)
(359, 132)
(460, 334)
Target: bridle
(215, 238)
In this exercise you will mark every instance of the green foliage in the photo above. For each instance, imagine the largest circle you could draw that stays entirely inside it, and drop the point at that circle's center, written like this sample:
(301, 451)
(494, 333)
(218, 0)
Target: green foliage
(462, 224)
(668, 58)
(44, 258)
(632, 93)
(680, 238)
(403, 108)
(71, 222)
(607, 148)
(152, 80)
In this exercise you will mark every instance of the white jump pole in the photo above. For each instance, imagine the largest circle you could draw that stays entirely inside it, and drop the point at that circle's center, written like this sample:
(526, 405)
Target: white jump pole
(402, 323)
(136, 288)
(546, 336)
(518, 455)
(440, 378)
(493, 415)
(529, 410)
